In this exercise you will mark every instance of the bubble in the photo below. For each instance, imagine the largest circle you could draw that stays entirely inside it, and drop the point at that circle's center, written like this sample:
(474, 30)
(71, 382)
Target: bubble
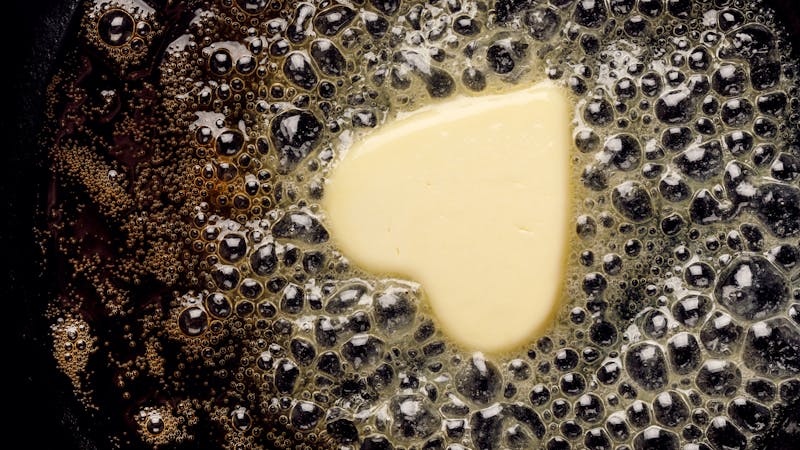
(364, 119)
(394, 311)
(193, 321)
(749, 415)
(375, 24)
(723, 434)
(748, 42)
(232, 247)
(572, 383)
(286, 376)
(266, 309)
(305, 415)
(621, 7)
(598, 112)
(298, 28)
(729, 80)
(264, 260)
(225, 277)
(334, 19)
(790, 390)
(710, 105)
(676, 138)
(673, 188)
(343, 430)
(773, 103)
(589, 408)
(655, 437)
(684, 353)
(698, 86)
(635, 26)
(672, 224)
(543, 23)
(500, 58)
(539, 395)
(221, 62)
(558, 443)
(439, 84)
(313, 262)
(699, 59)
(771, 348)
(590, 13)
(252, 6)
(478, 380)
(617, 427)
(595, 177)
(328, 58)
(455, 428)
(280, 48)
(155, 424)
(778, 206)
(570, 429)
(736, 112)
(633, 247)
(603, 333)
(675, 106)
(646, 365)
(241, 419)
(376, 442)
(638, 414)
(765, 128)
(473, 79)
(738, 182)
(691, 310)
(327, 89)
(751, 288)
(720, 334)
(718, 377)
(345, 299)
(329, 363)
(623, 151)
(763, 154)
(218, 305)
(295, 133)
(363, 350)
(595, 283)
(300, 226)
(303, 351)
(414, 417)
(702, 161)
(670, 409)
(299, 71)
(632, 201)
(116, 27)
(466, 26)
(249, 288)
(763, 390)
(699, 275)
(655, 324)
(729, 18)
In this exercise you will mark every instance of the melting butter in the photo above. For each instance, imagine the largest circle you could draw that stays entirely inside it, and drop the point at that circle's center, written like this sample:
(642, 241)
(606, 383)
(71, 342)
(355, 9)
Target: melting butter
(470, 198)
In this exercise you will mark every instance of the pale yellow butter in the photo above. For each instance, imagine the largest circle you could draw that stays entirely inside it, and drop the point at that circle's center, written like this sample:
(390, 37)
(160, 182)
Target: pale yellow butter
(469, 198)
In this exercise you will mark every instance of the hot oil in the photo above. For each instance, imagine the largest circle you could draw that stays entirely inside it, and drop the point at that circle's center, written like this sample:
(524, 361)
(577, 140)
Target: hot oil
(190, 144)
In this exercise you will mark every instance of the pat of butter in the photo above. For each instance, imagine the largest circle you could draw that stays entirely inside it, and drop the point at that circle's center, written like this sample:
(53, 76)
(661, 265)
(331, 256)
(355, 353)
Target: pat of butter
(470, 198)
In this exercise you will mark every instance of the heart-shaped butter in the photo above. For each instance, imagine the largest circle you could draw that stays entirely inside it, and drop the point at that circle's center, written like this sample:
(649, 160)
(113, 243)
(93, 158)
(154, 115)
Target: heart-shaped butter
(470, 198)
